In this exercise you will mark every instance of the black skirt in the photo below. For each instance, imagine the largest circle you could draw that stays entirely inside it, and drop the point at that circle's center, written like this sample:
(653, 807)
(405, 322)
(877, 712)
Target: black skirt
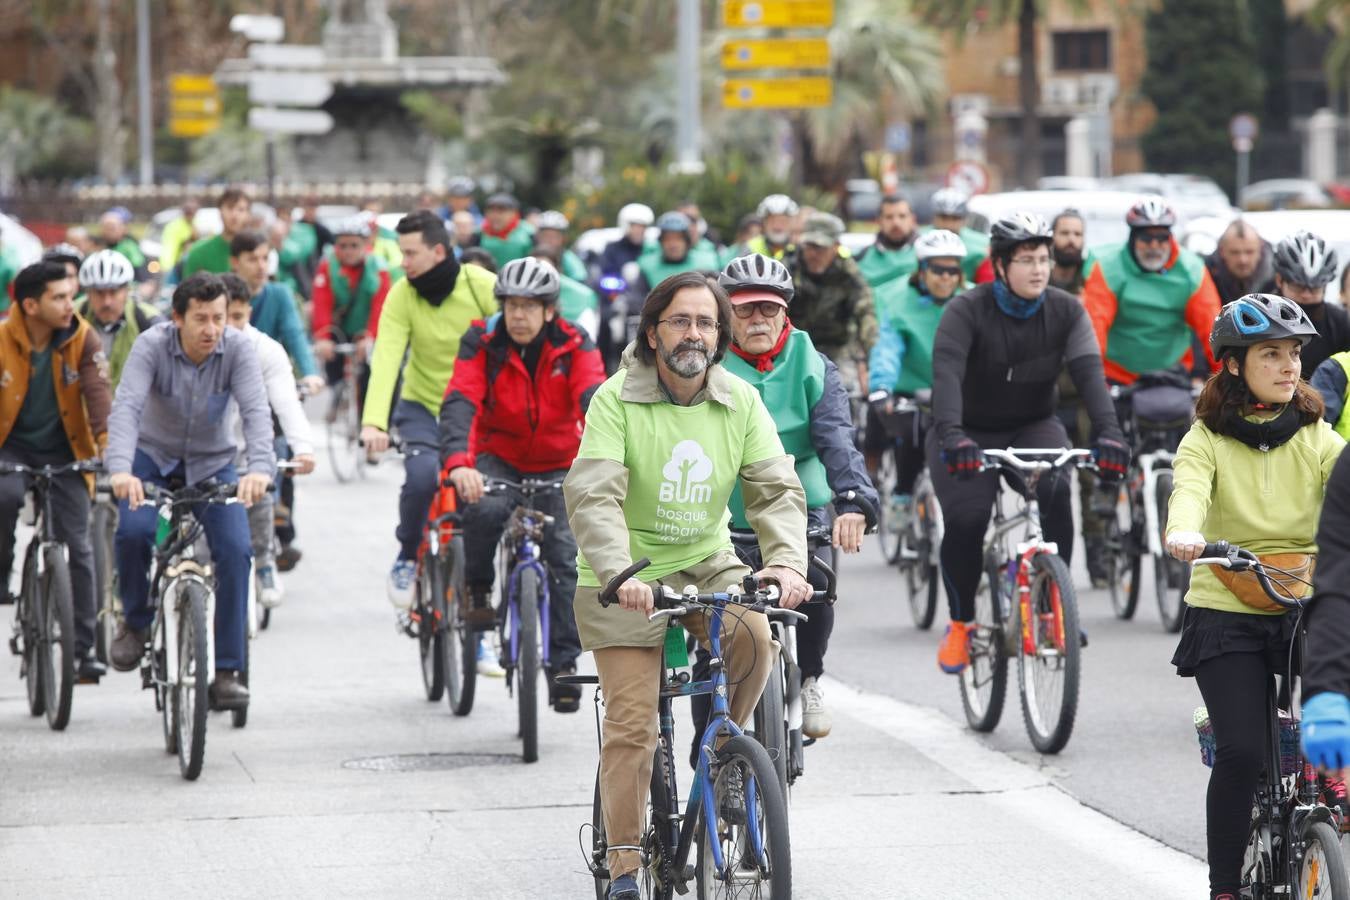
(1208, 633)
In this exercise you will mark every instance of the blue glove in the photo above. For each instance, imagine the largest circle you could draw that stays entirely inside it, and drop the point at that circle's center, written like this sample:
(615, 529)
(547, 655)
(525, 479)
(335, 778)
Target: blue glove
(1326, 731)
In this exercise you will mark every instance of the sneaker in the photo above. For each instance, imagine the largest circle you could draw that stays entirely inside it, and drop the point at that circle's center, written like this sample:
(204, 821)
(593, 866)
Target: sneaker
(732, 808)
(400, 583)
(625, 887)
(816, 720)
(1096, 561)
(487, 661)
(954, 653)
(270, 591)
(897, 513)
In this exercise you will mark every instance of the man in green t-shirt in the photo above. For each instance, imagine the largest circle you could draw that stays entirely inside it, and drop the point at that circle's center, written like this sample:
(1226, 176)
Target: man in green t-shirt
(667, 438)
(213, 254)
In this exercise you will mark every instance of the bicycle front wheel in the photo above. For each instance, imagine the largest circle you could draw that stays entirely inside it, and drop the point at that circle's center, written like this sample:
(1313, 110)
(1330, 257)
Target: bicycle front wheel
(101, 530)
(921, 572)
(1321, 872)
(58, 637)
(430, 627)
(189, 695)
(888, 532)
(1123, 558)
(527, 662)
(1050, 656)
(755, 848)
(461, 641)
(1171, 577)
(770, 722)
(30, 625)
(343, 447)
(984, 682)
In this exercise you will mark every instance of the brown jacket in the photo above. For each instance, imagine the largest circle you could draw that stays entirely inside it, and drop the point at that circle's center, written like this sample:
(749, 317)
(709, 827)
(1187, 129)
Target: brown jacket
(80, 370)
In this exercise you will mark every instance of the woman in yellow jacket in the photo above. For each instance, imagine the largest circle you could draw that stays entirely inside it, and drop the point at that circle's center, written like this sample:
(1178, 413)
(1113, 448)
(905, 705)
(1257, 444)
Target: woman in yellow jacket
(1252, 470)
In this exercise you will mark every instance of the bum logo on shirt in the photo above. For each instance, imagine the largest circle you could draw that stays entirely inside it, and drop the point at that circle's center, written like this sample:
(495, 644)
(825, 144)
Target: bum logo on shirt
(682, 515)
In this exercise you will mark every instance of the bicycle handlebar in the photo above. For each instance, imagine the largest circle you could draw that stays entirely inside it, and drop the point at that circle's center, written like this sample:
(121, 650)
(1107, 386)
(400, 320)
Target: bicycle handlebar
(221, 493)
(1054, 458)
(611, 590)
(756, 596)
(48, 472)
(1236, 559)
(525, 485)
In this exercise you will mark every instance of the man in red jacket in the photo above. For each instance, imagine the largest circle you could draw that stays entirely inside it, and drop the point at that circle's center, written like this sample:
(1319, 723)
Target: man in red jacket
(513, 410)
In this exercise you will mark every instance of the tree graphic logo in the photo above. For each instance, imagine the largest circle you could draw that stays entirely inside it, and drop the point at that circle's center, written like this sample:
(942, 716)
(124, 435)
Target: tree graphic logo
(684, 472)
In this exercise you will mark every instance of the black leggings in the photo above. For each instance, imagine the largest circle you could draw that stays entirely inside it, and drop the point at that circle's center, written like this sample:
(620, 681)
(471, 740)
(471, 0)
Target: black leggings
(968, 504)
(1234, 687)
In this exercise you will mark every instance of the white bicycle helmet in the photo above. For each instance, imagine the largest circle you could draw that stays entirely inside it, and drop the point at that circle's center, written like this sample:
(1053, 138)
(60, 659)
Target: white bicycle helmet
(938, 243)
(528, 277)
(551, 220)
(949, 202)
(636, 214)
(776, 205)
(1151, 211)
(353, 226)
(1304, 258)
(106, 270)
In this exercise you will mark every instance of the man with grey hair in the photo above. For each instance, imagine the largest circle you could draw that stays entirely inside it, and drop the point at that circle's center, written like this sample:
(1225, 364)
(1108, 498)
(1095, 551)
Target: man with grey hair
(1242, 264)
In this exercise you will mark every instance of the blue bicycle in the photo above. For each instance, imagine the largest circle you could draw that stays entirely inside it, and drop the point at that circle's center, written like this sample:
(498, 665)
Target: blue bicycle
(744, 850)
(524, 616)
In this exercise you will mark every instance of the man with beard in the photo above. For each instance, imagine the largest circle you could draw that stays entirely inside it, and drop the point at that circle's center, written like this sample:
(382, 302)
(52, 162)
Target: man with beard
(778, 217)
(667, 439)
(1304, 266)
(892, 256)
(425, 313)
(832, 301)
(1148, 297)
(1067, 252)
(1242, 264)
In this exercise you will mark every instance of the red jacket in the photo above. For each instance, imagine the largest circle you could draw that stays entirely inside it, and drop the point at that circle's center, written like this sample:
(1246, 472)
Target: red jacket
(493, 405)
(321, 297)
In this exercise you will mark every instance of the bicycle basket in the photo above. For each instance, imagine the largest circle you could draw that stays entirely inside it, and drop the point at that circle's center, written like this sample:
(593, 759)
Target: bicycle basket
(1289, 751)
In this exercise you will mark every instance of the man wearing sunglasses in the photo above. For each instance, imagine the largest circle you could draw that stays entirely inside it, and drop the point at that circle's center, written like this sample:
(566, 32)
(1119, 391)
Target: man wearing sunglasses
(1149, 297)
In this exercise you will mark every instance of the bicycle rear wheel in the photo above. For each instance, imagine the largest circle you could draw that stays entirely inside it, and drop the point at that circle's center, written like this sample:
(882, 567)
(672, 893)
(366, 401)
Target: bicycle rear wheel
(58, 637)
(770, 722)
(888, 533)
(341, 439)
(1171, 577)
(1124, 559)
(430, 627)
(189, 696)
(239, 717)
(598, 860)
(1048, 678)
(921, 573)
(757, 852)
(527, 662)
(1321, 872)
(102, 527)
(30, 625)
(984, 682)
(461, 641)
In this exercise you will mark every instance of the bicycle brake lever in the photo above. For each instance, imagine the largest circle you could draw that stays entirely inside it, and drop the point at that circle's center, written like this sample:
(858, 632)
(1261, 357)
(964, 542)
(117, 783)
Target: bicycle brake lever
(673, 612)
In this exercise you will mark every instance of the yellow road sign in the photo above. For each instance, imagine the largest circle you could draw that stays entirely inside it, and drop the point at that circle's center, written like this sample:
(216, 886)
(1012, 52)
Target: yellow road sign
(777, 13)
(789, 53)
(194, 106)
(191, 84)
(776, 93)
(183, 127)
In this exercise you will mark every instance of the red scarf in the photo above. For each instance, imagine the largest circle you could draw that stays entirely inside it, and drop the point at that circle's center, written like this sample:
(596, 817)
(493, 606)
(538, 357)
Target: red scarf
(763, 362)
(510, 227)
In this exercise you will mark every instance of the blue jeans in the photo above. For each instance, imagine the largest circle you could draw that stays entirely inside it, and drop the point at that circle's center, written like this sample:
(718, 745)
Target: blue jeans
(421, 438)
(228, 535)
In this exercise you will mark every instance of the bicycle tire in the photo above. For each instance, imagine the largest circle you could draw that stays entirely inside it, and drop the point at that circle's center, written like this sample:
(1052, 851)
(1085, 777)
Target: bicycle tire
(160, 672)
(1123, 560)
(527, 662)
(1054, 604)
(769, 722)
(191, 700)
(340, 455)
(887, 540)
(921, 576)
(58, 633)
(430, 634)
(1322, 864)
(659, 877)
(1171, 578)
(101, 529)
(988, 660)
(30, 621)
(599, 862)
(770, 814)
(461, 641)
(239, 717)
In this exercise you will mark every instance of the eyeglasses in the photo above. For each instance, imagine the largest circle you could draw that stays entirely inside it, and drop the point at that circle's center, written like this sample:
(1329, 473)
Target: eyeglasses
(1032, 262)
(767, 308)
(946, 270)
(681, 324)
(1153, 237)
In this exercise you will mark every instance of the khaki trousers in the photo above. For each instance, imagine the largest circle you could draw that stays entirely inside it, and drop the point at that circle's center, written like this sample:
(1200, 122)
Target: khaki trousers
(630, 678)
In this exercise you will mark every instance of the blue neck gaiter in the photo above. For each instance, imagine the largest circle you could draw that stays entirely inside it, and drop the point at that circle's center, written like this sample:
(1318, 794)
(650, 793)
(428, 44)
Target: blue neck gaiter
(1013, 305)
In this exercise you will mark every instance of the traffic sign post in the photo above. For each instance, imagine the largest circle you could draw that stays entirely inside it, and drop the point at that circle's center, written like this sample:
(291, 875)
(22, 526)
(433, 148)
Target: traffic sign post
(1242, 130)
(194, 105)
(777, 13)
(785, 53)
(968, 176)
(306, 89)
(777, 93)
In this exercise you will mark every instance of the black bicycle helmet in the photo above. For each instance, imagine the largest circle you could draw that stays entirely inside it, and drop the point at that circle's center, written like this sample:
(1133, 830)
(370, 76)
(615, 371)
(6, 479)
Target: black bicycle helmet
(528, 277)
(1255, 318)
(756, 272)
(1304, 258)
(1017, 229)
(1151, 211)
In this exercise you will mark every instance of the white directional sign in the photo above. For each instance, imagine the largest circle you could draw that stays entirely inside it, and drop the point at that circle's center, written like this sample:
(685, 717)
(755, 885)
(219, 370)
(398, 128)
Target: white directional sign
(289, 121)
(286, 56)
(288, 88)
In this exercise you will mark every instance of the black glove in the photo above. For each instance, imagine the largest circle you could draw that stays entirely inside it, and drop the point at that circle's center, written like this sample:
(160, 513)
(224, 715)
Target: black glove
(1112, 456)
(963, 457)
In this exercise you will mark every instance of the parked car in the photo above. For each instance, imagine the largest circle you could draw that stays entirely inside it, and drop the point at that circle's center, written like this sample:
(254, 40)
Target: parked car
(1286, 193)
(1202, 235)
(1103, 211)
(1068, 183)
(1190, 195)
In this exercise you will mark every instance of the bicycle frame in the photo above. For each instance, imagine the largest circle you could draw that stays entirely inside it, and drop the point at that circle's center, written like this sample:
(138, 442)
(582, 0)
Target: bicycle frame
(1149, 464)
(521, 542)
(179, 566)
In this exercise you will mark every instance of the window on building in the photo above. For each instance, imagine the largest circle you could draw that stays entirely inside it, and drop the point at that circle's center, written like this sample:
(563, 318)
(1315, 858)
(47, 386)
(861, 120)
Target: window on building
(1082, 51)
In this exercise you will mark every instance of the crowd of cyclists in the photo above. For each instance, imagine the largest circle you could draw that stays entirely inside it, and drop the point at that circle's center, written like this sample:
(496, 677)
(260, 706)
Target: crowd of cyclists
(681, 388)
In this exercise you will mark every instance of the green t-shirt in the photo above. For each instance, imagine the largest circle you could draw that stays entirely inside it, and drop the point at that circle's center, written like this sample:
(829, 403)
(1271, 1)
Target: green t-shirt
(210, 255)
(38, 427)
(682, 462)
(131, 249)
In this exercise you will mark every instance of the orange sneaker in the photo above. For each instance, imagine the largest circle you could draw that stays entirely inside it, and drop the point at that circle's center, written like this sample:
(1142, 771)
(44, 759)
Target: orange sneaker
(954, 653)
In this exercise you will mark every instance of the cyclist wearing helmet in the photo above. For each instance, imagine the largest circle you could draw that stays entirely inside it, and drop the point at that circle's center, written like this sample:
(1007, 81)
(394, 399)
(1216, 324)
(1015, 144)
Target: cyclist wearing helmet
(633, 221)
(673, 253)
(892, 255)
(703, 244)
(67, 255)
(778, 219)
(1252, 470)
(550, 233)
(504, 233)
(459, 197)
(514, 409)
(1242, 264)
(108, 307)
(349, 291)
(1304, 266)
(805, 396)
(901, 361)
(832, 301)
(950, 212)
(1148, 297)
(577, 302)
(998, 351)
(425, 314)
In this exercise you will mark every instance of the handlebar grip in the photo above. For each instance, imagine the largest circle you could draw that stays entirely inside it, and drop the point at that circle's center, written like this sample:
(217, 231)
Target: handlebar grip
(1215, 550)
(869, 510)
(607, 595)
